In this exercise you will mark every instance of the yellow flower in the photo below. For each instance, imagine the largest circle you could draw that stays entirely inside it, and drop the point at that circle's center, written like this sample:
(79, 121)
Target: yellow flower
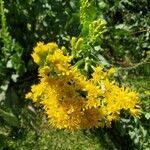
(111, 71)
(98, 74)
(36, 58)
(70, 100)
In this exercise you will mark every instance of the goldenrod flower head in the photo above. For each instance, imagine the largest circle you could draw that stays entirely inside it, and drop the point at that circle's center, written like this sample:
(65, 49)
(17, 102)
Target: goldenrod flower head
(111, 71)
(70, 100)
(42, 50)
(98, 74)
(36, 58)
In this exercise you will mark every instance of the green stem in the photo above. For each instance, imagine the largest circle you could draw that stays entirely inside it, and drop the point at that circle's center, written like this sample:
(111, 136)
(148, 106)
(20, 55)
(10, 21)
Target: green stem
(145, 61)
(3, 19)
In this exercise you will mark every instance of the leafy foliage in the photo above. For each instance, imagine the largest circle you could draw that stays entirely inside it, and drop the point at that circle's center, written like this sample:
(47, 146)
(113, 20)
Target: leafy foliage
(11, 67)
(128, 31)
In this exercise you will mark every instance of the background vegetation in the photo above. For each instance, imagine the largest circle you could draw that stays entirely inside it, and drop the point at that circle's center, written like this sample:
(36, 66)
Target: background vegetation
(124, 44)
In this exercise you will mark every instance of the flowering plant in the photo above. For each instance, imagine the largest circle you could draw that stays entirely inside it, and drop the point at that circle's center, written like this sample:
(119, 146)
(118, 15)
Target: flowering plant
(74, 90)
(73, 101)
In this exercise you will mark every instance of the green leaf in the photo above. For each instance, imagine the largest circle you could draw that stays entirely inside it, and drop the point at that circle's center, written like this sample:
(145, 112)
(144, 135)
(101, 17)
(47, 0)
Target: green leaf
(9, 64)
(147, 116)
(103, 61)
(9, 118)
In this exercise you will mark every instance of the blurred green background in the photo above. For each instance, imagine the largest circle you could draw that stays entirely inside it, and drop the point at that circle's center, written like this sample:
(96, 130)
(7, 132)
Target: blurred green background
(124, 44)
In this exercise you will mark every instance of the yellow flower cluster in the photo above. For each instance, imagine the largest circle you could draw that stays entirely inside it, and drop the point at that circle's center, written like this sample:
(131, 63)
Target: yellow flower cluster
(70, 100)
